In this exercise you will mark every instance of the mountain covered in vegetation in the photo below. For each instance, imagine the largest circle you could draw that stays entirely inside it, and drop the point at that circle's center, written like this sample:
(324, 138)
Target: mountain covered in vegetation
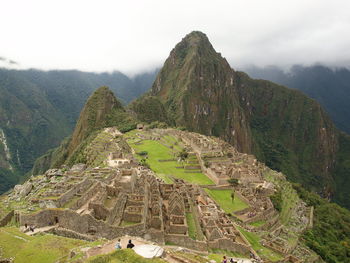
(330, 87)
(282, 127)
(101, 110)
(40, 108)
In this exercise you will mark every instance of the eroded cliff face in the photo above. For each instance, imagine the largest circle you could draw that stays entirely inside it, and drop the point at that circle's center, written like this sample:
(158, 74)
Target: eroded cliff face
(198, 89)
(291, 132)
(282, 127)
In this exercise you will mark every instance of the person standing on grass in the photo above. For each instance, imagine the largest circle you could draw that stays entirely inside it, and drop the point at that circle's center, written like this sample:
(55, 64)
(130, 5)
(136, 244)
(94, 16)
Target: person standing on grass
(224, 260)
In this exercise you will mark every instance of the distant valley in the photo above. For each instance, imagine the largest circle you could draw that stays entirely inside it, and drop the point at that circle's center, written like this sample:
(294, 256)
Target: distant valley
(39, 108)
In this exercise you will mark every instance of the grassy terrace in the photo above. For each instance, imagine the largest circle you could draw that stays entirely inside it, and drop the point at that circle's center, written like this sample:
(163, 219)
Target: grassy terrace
(192, 231)
(223, 198)
(289, 197)
(127, 223)
(41, 248)
(264, 252)
(258, 223)
(165, 170)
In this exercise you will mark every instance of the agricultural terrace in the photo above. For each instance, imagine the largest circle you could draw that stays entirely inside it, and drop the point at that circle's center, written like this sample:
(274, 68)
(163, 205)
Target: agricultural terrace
(264, 252)
(224, 200)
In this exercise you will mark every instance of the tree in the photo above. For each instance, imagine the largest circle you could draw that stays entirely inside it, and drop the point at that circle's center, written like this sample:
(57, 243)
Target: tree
(233, 182)
(183, 155)
(233, 195)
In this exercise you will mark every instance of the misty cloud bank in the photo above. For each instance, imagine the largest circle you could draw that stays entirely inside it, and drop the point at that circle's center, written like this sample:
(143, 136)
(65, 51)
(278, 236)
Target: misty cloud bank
(134, 36)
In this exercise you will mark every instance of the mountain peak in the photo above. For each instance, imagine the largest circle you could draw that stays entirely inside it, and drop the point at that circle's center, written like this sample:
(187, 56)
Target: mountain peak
(196, 37)
(194, 44)
(190, 84)
(94, 115)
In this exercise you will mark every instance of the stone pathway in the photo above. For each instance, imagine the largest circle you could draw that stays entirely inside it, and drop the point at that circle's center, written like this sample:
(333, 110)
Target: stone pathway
(109, 247)
(39, 230)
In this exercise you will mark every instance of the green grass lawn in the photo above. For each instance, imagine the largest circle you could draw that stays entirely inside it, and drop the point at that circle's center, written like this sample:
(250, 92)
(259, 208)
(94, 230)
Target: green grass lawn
(223, 198)
(40, 248)
(260, 249)
(192, 231)
(123, 255)
(127, 223)
(157, 151)
(258, 223)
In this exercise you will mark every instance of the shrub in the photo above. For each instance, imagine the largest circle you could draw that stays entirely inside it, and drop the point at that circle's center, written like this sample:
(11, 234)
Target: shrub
(276, 200)
(233, 181)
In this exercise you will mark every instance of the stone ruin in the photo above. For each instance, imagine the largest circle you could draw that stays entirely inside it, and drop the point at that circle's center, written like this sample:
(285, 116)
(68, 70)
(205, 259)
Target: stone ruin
(112, 202)
(125, 198)
(221, 161)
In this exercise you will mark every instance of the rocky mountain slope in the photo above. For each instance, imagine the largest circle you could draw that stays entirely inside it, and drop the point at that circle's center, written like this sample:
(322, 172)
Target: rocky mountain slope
(282, 127)
(40, 108)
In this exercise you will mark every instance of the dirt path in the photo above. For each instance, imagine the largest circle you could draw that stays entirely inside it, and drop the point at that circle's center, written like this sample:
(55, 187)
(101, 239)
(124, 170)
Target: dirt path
(109, 247)
(39, 230)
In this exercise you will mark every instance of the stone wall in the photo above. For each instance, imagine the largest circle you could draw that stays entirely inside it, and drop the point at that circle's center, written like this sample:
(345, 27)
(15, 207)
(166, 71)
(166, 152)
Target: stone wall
(87, 196)
(70, 193)
(228, 244)
(116, 213)
(132, 217)
(268, 226)
(7, 218)
(242, 197)
(177, 229)
(82, 224)
(267, 214)
(156, 236)
(186, 241)
(71, 234)
(100, 212)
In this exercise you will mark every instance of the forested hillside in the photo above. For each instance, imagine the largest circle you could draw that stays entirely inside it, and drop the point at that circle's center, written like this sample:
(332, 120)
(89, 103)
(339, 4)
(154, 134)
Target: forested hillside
(330, 87)
(39, 108)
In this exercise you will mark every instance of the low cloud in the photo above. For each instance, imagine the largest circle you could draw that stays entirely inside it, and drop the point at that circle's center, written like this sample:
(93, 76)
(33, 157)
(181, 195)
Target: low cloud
(8, 63)
(133, 36)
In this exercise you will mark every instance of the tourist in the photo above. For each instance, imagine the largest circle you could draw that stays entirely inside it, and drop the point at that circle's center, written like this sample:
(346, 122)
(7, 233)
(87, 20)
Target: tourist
(130, 244)
(224, 260)
(118, 245)
(232, 260)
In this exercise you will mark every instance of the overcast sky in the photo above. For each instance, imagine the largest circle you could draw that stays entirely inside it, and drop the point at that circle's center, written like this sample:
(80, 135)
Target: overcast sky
(133, 36)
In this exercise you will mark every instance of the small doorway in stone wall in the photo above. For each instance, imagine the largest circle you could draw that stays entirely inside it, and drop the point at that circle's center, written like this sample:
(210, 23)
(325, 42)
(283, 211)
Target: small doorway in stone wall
(56, 220)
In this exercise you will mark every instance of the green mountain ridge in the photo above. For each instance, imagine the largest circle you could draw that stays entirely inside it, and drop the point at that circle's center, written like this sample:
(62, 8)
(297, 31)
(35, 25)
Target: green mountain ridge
(282, 127)
(328, 237)
(101, 110)
(38, 109)
(329, 86)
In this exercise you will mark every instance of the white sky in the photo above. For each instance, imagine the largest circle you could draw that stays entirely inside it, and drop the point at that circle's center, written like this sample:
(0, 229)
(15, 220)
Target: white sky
(133, 36)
